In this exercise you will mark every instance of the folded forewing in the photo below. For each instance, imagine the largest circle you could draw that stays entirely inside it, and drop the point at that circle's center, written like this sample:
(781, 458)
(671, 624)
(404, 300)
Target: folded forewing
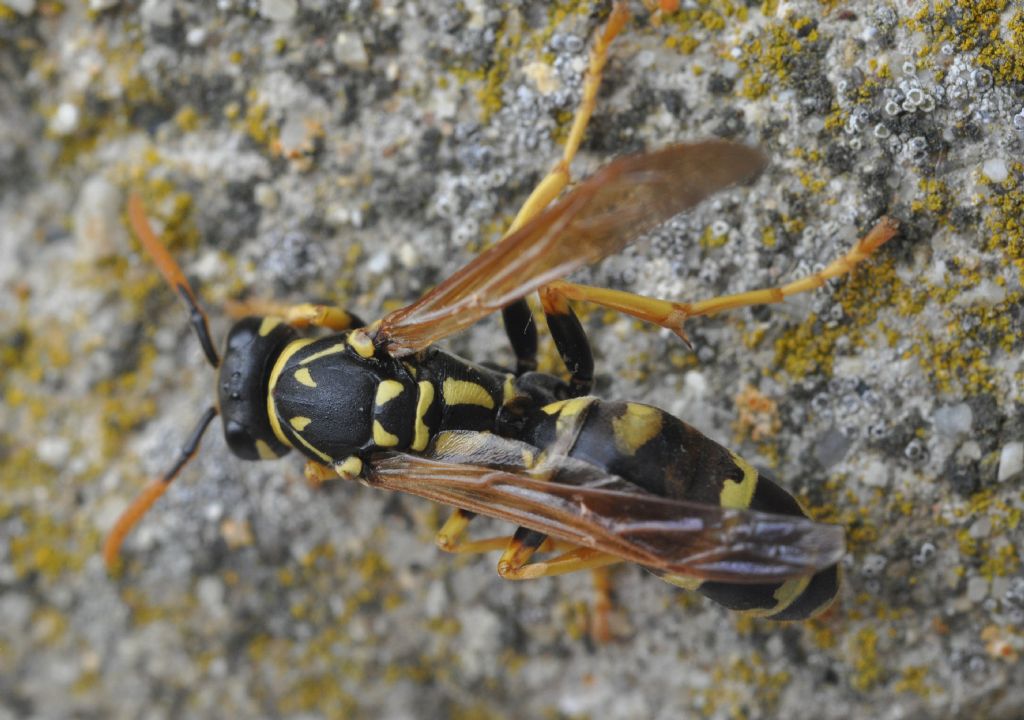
(599, 217)
(577, 503)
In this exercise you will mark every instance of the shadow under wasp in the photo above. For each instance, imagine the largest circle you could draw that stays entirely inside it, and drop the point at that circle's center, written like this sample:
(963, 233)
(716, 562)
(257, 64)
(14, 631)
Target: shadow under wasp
(593, 482)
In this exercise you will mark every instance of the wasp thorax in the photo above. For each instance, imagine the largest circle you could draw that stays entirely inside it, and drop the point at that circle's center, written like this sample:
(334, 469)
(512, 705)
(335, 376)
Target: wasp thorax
(324, 397)
(252, 346)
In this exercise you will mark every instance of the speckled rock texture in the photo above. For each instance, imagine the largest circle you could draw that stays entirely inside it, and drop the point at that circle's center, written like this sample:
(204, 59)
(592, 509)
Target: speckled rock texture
(359, 152)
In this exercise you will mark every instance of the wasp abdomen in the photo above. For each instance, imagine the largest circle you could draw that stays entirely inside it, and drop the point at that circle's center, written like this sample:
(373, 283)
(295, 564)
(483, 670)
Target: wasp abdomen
(466, 396)
(661, 454)
(394, 402)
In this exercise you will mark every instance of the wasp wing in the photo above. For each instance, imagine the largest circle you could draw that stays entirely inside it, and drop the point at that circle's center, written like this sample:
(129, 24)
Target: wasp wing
(599, 217)
(575, 502)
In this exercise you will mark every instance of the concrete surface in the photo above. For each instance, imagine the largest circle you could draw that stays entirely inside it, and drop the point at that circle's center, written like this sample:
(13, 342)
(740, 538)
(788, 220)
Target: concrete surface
(360, 152)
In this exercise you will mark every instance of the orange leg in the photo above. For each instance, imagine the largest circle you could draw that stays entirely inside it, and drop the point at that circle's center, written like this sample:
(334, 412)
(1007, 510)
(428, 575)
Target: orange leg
(451, 537)
(518, 316)
(600, 622)
(515, 562)
(672, 315)
(556, 180)
(317, 474)
(300, 316)
(659, 9)
(519, 549)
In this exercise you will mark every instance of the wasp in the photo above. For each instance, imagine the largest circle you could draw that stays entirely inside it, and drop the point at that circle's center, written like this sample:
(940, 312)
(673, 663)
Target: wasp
(589, 482)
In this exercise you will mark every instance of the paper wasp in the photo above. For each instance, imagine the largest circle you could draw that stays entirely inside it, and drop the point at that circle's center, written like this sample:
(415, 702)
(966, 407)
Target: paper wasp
(594, 481)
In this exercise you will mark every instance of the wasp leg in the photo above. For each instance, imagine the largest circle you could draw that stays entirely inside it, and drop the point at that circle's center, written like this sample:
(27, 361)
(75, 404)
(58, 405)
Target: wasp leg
(522, 334)
(556, 180)
(571, 341)
(672, 315)
(452, 537)
(300, 316)
(515, 561)
(515, 565)
(600, 622)
(660, 9)
(519, 547)
(317, 474)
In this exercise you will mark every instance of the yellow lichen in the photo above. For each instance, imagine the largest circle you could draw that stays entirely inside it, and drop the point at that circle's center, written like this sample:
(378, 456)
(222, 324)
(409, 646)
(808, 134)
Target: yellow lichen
(864, 649)
(912, 679)
(187, 118)
(978, 26)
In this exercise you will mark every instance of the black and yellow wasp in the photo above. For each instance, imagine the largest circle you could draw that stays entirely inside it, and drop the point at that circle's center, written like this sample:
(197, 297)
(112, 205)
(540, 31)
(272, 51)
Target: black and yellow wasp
(592, 481)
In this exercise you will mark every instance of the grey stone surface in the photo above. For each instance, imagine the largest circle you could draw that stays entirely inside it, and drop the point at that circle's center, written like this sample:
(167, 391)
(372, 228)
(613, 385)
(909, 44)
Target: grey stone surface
(361, 152)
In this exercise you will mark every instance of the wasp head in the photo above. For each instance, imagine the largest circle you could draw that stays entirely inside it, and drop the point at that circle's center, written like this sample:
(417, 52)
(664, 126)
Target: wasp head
(242, 385)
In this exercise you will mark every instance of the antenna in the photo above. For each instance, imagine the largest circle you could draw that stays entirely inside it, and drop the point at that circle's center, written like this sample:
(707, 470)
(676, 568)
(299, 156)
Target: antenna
(152, 492)
(172, 274)
(176, 279)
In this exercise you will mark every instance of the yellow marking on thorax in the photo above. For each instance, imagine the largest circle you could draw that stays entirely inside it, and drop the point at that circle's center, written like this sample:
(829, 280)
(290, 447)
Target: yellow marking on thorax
(300, 423)
(388, 390)
(290, 349)
(316, 451)
(349, 468)
(382, 437)
(637, 426)
(268, 324)
(739, 494)
(421, 433)
(361, 343)
(332, 350)
(466, 392)
(303, 376)
(265, 451)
